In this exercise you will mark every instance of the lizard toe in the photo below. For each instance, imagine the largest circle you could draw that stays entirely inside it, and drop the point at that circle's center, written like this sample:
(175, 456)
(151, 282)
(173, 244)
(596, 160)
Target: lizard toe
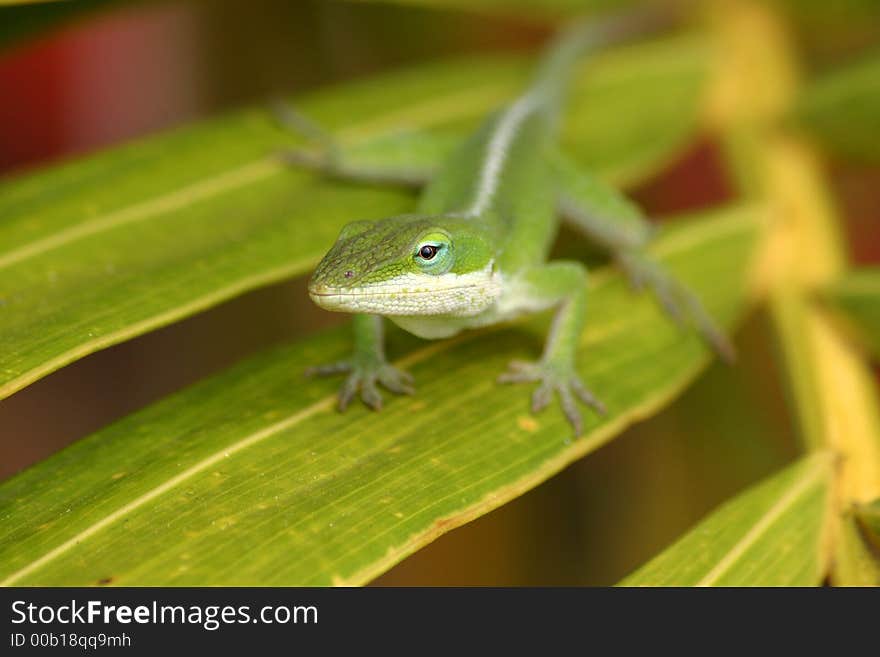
(569, 407)
(396, 380)
(329, 369)
(586, 396)
(370, 393)
(348, 390)
(521, 371)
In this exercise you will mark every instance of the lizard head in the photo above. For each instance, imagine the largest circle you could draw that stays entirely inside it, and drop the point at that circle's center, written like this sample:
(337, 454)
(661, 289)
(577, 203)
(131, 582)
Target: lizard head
(408, 265)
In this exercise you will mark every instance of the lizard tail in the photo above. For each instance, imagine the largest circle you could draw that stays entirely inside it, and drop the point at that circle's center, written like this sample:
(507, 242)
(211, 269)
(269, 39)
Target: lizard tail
(587, 35)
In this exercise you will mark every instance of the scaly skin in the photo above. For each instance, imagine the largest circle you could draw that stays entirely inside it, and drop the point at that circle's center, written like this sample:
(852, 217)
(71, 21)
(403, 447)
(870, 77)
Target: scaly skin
(475, 252)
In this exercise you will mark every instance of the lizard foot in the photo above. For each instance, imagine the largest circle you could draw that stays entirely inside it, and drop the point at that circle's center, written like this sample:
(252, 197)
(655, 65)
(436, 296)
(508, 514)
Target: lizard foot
(323, 154)
(677, 301)
(364, 377)
(551, 377)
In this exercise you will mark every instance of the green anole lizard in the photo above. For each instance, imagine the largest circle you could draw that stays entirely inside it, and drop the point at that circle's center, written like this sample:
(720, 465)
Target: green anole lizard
(475, 251)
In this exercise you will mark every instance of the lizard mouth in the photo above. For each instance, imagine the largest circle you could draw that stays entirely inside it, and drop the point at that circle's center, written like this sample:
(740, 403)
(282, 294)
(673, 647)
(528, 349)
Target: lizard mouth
(413, 299)
(324, 296)
(379, 292)
(410, 294)
(323, 292)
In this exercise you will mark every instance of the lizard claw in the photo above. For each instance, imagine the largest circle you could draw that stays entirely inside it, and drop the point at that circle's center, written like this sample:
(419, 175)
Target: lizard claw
(329, 369)
(552, 378)
(364, 377)
(676, 300)
(323, 156)
(396, 380)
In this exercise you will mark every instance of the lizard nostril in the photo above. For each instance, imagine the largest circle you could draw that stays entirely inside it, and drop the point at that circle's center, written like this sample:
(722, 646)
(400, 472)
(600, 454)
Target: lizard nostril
(349, 274)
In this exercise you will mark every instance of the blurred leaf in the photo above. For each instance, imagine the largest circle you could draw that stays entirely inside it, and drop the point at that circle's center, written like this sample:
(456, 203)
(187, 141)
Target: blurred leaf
(100, 250)
(553, 9)
(842, 110)
(822, 12)
(868, 516)
(770, 535)
(858, 296)
(26, 19)
(858, 547)
(832, 28)
(252, 477)
(621, 139)
(5, 3)
(833, 391)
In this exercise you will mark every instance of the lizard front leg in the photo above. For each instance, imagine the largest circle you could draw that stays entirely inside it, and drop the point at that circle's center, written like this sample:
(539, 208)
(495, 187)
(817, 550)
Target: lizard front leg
(402, 158)
(562, 284)
(367, 366)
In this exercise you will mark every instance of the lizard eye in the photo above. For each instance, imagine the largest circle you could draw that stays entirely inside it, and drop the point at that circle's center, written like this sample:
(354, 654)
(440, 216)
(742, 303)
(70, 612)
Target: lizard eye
(433, 254)
(428, 251)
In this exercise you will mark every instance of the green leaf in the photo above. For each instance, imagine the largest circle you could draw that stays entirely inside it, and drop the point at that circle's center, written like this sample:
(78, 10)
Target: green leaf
(857, 548)
(821, 14)
(857, 295)
(770, 535)
(100, 250)
(842, 110)
(553, 9)
(826, 30)
(25, 19)
(4, 3)
(868, 516)
(252, 477)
